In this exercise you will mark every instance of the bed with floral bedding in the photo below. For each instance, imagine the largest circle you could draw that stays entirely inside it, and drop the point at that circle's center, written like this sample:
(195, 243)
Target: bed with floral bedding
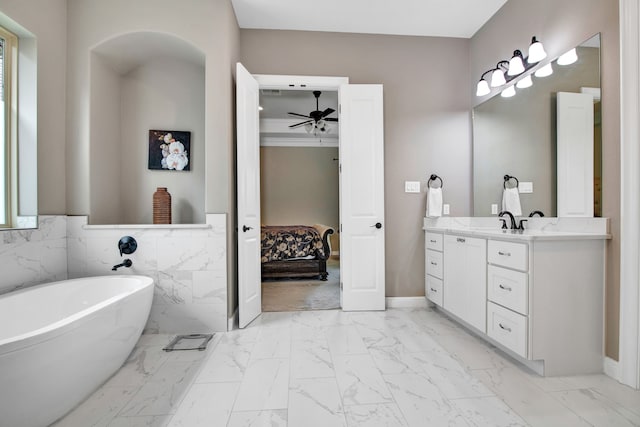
(295, 251)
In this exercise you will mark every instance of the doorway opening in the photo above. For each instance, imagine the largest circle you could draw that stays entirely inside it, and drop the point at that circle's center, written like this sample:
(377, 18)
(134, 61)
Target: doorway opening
(299, 200)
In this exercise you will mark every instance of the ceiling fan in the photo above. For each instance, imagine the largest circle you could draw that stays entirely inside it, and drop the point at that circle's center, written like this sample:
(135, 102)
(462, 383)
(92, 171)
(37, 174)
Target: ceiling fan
(317, 119)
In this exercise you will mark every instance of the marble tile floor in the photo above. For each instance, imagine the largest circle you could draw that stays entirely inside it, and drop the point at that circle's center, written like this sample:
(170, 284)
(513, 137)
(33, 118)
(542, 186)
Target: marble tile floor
(401, 367)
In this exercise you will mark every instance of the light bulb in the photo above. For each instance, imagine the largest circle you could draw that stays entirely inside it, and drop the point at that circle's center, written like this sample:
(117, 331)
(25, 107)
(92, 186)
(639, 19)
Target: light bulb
(525, 82)
(482, 88)
(497, 78)
(515, 64)
(308, 127)
(536, 51)
(568, 57)
(508, 92)
(545, 71)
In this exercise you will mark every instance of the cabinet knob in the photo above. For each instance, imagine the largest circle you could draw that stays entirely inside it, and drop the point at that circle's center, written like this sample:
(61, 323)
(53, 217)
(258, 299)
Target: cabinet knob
(433, 290)
(504, 253)
(506, 288)
(461, 240)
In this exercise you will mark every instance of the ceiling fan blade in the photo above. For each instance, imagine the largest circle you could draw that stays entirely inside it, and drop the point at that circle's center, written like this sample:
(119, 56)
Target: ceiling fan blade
(300, 124)
(327, 112)
(300, 115)
(330, 119)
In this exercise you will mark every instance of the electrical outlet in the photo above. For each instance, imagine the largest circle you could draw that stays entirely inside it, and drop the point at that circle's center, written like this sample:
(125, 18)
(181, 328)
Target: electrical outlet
(412, 186)
(494, 209)
(445, 209)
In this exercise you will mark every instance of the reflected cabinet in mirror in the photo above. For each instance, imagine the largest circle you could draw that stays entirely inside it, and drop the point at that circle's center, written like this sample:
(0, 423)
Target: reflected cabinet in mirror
(548, 135)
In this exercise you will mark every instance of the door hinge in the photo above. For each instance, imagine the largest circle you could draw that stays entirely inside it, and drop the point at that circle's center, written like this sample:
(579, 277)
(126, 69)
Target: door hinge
(341, 228)
(340, 168)
(339, 108)
(341, 286)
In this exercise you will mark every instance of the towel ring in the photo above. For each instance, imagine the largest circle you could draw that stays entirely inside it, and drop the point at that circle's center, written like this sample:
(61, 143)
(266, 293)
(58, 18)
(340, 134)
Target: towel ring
(433, 177)
(507, 178)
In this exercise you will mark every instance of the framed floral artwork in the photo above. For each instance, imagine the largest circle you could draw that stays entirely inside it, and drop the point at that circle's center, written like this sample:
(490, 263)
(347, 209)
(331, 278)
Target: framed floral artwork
(169, 150)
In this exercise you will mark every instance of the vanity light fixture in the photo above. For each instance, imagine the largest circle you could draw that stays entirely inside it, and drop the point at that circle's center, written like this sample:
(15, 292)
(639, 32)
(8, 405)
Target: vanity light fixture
(508, 92)
(536, 51)
(516, 65)
(497, 77)
(513, 68)
(525, 82)
(482, 88)
(545, 71)
(568, 58)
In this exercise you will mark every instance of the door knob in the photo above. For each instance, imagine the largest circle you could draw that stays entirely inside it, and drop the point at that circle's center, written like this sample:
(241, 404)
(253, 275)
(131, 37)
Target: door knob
(245, 228)
(377, 225)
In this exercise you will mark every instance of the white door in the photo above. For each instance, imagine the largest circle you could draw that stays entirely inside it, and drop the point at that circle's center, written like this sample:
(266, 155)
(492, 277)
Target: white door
(575, 154)
(362, 197)
(248, 171)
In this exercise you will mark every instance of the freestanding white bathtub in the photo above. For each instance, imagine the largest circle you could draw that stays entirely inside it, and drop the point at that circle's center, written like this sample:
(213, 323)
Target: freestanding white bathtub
(60, 341)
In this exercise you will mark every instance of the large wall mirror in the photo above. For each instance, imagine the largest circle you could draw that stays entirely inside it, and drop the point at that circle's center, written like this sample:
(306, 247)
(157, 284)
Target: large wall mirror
(519, 136)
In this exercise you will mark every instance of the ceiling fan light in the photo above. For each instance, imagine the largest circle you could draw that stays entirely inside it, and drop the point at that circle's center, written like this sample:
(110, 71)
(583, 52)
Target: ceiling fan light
(545, 71)
(308, 127)
(497, 78)
(525, 82)
(515, 64)
(482, 88)
(508, 92)
(536, 51)
(568, 57)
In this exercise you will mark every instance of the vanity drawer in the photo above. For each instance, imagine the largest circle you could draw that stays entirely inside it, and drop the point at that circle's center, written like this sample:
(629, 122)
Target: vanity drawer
(508, 254)
(508, 328)
(433, 241)
(434, 263)
(434, 290)
(508, 288)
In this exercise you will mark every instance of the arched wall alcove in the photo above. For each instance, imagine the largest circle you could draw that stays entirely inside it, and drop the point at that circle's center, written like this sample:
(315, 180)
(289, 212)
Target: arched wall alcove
(139, 82)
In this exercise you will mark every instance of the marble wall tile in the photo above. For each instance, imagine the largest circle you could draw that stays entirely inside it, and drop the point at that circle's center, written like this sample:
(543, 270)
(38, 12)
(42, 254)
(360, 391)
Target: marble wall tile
(33, 256)
(187, 264)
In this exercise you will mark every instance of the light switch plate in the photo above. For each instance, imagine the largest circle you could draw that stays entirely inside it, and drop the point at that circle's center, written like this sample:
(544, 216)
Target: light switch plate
(526, 187)
(445, 209)
(412, 186)
(494, 209)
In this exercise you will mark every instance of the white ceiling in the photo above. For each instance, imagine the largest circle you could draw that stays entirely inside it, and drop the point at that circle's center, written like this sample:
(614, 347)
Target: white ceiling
(438, 18)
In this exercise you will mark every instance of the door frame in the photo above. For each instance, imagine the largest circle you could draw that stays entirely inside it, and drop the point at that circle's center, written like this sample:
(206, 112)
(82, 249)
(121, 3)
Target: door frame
(307, 83)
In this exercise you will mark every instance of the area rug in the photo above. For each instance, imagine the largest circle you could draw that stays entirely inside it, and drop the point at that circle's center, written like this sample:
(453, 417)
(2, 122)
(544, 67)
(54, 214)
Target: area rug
(298, 295)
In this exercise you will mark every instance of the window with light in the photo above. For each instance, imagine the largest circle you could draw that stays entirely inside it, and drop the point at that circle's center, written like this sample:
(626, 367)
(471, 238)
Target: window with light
(8, 75)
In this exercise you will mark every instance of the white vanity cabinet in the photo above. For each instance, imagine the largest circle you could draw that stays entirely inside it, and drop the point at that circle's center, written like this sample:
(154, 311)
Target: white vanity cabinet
(465, 285)
(539, 296)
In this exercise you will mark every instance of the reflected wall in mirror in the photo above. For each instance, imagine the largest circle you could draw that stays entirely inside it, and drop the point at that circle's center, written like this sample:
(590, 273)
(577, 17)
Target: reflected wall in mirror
(518, 136)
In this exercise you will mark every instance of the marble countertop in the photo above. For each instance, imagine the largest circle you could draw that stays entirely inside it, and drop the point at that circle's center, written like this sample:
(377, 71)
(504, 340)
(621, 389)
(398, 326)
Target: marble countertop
(535, 229)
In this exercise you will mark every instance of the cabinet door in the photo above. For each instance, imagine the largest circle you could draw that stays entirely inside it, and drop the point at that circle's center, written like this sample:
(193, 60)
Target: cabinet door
(465, 279)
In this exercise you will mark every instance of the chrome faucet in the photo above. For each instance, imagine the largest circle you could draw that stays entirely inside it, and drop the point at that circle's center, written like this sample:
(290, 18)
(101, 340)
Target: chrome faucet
(126, 263)
(539, 213)
(514, 226)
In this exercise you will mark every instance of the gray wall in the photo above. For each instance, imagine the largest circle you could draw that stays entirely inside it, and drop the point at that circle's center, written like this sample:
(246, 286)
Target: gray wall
(560, 25)
(48, 22)
(427, 120)
(299, 185)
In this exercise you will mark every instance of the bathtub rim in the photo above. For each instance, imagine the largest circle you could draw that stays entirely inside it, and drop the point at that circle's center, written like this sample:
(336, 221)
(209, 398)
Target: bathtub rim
(65, 325)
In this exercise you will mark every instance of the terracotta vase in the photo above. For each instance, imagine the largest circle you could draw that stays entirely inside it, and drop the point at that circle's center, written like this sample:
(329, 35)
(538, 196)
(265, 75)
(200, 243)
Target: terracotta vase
(161, 206)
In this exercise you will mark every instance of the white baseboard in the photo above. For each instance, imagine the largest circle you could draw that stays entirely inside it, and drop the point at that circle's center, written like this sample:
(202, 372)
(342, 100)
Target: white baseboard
(406, 302)
(232, 322)
(611, 368)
